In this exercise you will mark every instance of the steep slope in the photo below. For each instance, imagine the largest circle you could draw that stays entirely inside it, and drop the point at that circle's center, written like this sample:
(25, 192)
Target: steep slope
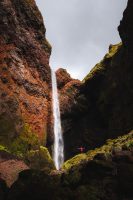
(24, 73)
(104, 107)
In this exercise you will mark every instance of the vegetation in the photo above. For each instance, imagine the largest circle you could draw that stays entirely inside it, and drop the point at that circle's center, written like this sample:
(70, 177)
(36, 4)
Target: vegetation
(74, 161)
(2, 148)
(101, 67)
(26, 141)
(123, 142)
(40, 159)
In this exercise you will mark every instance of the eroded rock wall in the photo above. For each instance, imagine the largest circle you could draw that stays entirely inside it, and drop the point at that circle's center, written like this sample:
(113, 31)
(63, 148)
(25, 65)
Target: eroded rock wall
(25, 78)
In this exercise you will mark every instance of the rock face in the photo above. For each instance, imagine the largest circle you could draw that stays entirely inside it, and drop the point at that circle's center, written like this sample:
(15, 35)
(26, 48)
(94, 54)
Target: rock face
(10, 167)
(24, 72)
(62, 77)
(103, 108)
(68, 89)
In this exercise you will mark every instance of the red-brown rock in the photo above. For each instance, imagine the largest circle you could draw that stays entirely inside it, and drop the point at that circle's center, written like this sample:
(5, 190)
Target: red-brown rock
(10, 167)
(24, 73)
(63, 77)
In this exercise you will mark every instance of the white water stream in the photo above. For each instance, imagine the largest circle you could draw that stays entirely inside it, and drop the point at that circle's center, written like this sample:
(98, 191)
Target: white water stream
(58, 151)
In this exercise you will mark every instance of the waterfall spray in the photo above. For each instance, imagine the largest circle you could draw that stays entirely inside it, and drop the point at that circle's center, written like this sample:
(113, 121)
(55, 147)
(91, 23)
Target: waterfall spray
(58, 151)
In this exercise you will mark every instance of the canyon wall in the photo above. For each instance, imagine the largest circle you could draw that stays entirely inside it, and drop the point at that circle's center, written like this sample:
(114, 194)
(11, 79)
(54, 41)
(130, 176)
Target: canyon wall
(25, 77)
(103, 105)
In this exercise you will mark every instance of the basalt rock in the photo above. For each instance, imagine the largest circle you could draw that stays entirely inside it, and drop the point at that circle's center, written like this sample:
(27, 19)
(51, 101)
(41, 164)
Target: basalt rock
(103, 107)
(25, 79)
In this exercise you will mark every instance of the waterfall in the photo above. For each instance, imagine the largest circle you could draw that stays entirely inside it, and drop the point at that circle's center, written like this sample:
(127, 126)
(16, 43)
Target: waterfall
(58, 150)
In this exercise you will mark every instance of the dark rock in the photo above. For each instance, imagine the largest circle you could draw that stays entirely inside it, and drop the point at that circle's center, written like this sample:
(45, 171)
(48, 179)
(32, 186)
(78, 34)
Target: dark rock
(106, 109)
(34, 185)
(3, 190)
(83, 177)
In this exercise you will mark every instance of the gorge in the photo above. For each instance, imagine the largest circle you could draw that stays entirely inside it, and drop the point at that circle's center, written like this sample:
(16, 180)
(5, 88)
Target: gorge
(96, 113)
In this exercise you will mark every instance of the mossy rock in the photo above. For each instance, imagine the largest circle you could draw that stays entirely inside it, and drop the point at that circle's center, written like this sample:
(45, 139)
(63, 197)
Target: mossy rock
(104, 152)
(100, 68)
(17, 143)
(74, 161)
(40, 160)
(26, 141)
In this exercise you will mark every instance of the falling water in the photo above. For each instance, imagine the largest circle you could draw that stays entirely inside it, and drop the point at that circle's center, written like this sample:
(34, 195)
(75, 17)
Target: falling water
(58, 152)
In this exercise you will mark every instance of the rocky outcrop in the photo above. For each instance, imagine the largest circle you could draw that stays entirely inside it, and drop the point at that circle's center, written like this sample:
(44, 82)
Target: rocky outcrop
(25, 72)
(63, 77)
(40, 160)
(68, 89)
(10, 167)
(105, 173)
(103, 108)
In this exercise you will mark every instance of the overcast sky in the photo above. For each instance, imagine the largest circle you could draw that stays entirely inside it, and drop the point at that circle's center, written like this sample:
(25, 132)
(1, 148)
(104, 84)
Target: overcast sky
(80, 31)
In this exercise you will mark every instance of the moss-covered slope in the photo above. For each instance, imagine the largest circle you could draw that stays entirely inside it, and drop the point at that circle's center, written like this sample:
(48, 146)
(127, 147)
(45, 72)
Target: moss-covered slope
(104, 173)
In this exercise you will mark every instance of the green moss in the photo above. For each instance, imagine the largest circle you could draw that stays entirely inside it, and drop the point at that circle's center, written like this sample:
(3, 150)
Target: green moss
(111, 145)
(40, 159)
(26, 146)
(100, 68)
(2, 148)
(105, 150)
(74, 161)
(26, 141)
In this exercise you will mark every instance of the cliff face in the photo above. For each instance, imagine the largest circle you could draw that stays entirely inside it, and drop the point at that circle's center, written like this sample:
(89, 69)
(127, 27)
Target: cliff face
(68, 90)
(24, 72)
(103, 107)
